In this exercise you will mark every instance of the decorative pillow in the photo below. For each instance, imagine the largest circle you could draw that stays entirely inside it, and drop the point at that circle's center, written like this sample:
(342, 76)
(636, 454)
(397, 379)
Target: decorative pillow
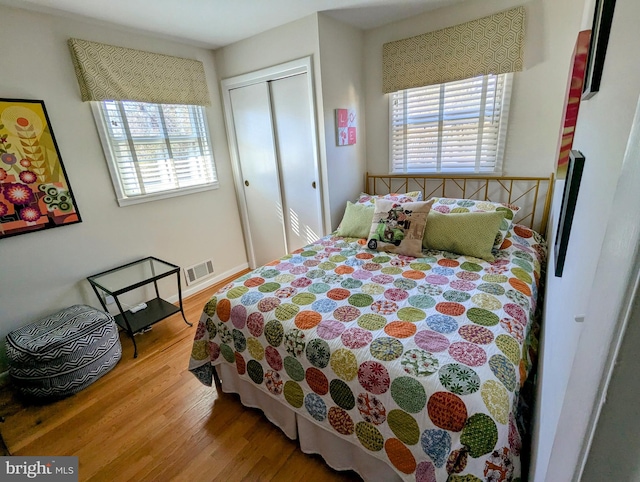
(408, 197)
(356, 222)
(451, 205)
(469, 234)
(398, 227)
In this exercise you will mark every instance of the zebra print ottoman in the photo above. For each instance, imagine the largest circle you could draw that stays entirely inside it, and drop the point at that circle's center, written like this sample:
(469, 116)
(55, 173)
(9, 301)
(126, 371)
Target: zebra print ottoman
(63, 353)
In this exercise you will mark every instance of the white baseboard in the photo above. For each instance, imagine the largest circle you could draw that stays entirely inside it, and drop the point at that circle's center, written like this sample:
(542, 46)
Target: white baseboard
(193, 289)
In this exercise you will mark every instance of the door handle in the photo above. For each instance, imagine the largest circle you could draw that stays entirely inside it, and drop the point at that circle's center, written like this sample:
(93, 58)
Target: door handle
(313, 184)
(246, 183)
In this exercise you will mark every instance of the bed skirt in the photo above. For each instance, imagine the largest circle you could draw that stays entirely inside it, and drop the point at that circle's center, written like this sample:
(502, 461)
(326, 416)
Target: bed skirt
(336, 452)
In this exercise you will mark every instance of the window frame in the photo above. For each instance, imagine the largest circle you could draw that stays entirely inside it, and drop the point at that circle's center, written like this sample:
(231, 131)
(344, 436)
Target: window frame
(111, 159)
(444, 169)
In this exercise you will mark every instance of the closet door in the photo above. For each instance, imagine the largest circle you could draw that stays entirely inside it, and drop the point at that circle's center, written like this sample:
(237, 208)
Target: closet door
(296, 153)
(259, 168)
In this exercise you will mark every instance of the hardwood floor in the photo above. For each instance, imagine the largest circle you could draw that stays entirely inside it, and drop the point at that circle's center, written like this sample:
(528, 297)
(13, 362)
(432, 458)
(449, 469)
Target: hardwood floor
(150, 419)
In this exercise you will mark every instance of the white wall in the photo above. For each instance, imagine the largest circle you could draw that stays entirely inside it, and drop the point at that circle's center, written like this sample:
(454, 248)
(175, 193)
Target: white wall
(336, 50)
(615, 453)
(291, 41)
(45, 271)
(602, 133)
(288, 42)
(538, 92)
(531, 149)
(342, 64)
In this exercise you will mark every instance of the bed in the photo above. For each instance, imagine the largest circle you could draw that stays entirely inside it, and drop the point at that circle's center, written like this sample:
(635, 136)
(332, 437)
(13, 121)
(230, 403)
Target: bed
(398, 367)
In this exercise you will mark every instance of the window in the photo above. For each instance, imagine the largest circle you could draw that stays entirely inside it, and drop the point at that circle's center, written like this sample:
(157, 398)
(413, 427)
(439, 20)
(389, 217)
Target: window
(453, 127)
(155, 150)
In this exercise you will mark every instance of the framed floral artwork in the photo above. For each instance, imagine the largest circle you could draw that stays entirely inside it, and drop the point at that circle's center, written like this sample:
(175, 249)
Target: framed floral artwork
(35, 193)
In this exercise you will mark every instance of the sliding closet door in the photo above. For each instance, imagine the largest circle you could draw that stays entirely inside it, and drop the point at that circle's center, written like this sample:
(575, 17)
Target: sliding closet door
(296, 146)
(257, 154)
(270, 118)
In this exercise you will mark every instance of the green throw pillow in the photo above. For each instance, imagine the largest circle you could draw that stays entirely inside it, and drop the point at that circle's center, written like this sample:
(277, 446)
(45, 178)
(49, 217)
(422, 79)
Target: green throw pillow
(469, 234)
(356, 222)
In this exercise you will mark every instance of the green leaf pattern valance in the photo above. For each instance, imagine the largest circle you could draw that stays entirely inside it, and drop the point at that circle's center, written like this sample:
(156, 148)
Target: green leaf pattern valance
(489, 45)
(106, 72)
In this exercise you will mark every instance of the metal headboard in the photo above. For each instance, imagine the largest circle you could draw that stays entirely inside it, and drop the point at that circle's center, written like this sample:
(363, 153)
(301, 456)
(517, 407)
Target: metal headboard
(531, 194)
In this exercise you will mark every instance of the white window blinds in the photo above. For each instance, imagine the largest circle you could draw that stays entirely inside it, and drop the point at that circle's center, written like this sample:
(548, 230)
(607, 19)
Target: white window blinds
(155, 148)
(453, 127)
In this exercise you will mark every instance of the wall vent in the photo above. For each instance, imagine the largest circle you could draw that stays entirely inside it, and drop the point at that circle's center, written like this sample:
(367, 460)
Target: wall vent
(198, 271)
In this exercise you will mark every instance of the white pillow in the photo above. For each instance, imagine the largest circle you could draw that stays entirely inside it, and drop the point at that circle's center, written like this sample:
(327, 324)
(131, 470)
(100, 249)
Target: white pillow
(399, 227)
(408, 197)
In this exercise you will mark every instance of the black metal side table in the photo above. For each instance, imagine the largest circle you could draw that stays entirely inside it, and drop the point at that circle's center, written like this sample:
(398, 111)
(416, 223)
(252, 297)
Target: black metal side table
(123, 279)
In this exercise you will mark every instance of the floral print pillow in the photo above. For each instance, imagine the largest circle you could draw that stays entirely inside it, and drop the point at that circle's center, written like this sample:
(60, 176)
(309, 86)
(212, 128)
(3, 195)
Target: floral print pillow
(409, 197)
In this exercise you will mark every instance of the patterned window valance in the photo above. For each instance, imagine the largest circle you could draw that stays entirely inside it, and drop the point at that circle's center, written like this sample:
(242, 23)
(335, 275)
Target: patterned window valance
(106, 72)
(489, 45)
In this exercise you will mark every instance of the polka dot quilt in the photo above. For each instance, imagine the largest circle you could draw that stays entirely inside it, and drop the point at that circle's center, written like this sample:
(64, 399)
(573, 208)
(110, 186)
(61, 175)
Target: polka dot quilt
(419, 361)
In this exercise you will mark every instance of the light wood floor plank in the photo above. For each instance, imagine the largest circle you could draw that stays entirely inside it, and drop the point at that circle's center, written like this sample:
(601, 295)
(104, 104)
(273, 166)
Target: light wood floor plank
(149, 419)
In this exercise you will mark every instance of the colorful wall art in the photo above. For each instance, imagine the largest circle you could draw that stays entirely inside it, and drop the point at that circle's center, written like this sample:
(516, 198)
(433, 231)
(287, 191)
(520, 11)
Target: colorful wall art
(572, 103)
(345, 127)
(35, 193)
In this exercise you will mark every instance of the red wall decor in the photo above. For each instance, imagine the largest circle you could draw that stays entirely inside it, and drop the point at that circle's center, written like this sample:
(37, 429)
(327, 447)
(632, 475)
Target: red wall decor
(572, 101)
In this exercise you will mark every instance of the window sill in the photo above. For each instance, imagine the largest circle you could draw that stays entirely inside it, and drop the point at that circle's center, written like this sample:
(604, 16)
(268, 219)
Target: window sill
(127, 201)
(462, 172)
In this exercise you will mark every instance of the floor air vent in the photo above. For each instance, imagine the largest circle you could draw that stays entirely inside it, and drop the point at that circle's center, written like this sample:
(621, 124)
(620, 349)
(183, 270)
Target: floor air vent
(199, 271)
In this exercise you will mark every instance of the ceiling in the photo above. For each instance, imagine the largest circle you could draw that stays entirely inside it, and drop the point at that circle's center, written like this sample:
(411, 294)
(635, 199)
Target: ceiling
(215, 23)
